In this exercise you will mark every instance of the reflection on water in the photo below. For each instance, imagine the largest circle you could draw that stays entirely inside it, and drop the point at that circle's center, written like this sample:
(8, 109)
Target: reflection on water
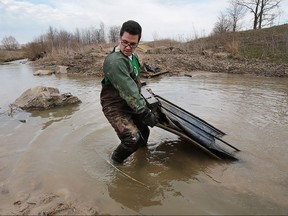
(55, 114)
(165, 163)
(68, 148)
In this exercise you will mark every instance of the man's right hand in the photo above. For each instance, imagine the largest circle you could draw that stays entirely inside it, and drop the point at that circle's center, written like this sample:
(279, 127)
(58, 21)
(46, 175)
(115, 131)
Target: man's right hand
(149, 118)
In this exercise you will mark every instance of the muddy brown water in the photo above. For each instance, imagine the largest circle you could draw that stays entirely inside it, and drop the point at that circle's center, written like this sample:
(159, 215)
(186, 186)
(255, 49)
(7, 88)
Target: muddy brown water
(66, 151)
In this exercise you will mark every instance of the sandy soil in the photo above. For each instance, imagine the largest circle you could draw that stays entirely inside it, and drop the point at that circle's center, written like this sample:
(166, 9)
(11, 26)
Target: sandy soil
(46, 204)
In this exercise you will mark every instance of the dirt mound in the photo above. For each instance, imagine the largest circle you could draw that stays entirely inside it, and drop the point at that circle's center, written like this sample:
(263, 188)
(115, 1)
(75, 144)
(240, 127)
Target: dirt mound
(47, 204)
(174, 58)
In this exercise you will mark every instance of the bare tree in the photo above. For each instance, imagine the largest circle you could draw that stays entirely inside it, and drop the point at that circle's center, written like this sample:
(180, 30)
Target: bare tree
(64, 39)
(51, 37)
(86, 36)
(97, 36)
(155, 36)
(10, 43)
(41, 40)
(93, 35)
(223, 24)
(114, 33)
(77, 35)
(264, 11)
(235, 12)
(102, 33)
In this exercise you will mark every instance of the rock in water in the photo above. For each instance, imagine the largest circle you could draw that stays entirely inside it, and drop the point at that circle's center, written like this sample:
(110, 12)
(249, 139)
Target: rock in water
(42, 97)
(43, 72)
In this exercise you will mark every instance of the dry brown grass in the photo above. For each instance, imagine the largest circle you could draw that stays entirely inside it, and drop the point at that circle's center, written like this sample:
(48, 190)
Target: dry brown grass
(163, 43)
(11, 55)
(270, 43)
(232, 47)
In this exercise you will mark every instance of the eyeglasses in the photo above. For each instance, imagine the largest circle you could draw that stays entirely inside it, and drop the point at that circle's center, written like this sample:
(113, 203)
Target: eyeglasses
(126, 43)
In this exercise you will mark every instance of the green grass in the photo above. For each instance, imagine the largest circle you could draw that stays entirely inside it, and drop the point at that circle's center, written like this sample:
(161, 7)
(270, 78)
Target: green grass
(252, 52)
(259, 53)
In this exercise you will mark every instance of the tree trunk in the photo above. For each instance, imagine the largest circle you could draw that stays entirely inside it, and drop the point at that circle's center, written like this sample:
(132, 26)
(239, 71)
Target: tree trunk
(256, 16)
(261, 14)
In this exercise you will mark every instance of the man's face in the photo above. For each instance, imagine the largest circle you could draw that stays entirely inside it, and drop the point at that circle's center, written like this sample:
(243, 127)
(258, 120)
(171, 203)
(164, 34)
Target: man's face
(128, 43)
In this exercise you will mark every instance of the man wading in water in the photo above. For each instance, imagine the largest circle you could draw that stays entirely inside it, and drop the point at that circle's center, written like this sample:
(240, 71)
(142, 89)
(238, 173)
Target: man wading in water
(121, 101)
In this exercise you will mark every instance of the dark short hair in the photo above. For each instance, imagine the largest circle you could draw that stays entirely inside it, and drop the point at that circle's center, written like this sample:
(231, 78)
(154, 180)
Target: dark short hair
(132, 28)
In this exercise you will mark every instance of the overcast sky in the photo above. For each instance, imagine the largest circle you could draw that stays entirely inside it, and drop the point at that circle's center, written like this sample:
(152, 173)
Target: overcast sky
(27, 19)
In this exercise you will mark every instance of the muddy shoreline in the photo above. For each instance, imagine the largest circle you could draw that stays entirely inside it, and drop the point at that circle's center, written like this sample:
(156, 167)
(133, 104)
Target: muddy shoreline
(173, 61)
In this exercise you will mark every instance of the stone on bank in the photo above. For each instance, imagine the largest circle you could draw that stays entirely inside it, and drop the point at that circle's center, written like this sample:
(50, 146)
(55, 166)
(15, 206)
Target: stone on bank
(43, 72)
(42, 97)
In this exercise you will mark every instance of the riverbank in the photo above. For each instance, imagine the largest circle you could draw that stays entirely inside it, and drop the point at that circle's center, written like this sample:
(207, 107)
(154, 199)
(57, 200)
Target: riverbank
(175, 60)
(11, 55)
(261, 52)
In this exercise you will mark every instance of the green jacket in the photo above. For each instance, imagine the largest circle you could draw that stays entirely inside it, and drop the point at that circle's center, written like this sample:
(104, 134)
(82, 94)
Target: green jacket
(121, 84)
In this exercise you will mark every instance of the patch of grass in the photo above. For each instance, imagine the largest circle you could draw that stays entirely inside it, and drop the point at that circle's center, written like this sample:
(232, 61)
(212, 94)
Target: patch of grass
(275, 57)
(278, 58)
(270, 44)
(252, 52)
(11, 55)
(232, 47)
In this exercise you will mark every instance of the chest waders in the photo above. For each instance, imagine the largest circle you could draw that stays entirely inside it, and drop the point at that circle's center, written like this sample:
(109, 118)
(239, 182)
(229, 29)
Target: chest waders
(131, 140)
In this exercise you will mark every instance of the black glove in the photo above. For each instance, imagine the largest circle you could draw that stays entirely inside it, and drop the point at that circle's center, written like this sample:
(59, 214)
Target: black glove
(149, 118)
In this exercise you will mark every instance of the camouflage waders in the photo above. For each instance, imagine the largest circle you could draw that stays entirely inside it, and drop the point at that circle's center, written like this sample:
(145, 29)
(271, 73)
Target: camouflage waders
(130, 130)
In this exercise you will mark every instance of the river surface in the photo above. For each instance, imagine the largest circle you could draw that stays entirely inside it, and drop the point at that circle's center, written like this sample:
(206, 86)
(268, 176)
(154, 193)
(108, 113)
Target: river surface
(66, 151)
